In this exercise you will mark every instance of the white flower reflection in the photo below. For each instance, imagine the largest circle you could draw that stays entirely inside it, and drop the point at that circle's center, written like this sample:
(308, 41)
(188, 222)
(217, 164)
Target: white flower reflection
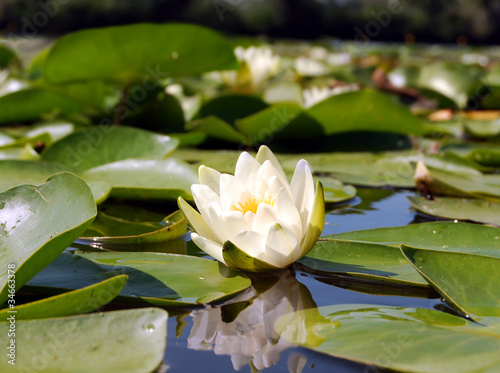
(250, 338)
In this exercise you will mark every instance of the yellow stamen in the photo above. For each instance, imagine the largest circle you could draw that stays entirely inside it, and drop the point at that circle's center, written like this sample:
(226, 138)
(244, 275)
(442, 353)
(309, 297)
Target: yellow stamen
(252, 204)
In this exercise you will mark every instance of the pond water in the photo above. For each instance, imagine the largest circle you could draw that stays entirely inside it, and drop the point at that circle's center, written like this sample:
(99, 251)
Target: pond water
(238, 335)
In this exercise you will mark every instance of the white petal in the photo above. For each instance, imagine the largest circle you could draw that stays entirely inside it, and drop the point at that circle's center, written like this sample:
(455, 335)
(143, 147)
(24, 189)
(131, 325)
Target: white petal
(302, 187)
(256, 185)
(251, 242)
(215, 222)
(282, 247)
(265, 154)
(196, 220)
(288, 214)
(203, 196)
(276, 184)
(210, 247)
(210, 177)
(266, 215)
(234, 223)
(250, 218)
(231, 191)
(245, 166)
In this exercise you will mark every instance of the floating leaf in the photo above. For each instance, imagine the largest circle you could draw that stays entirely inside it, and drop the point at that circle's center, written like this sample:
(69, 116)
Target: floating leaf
(471, 209)
(434, 181)
(19, 172)
(171, 280)
(369, 261)
(229, 108)
(484, 154)
(33, 104)
(454, 81)
(217, 128)
(156, 179)
(133, 55)
(49, 345)
(390, 168)
(469, 282)
(75, 302)
(30, 237)
(402, 339)
(335, 191)
(118, 231)
(101, 145)
(446, 236)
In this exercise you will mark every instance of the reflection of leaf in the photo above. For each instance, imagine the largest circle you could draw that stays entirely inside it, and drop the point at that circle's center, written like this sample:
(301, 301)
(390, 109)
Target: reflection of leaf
(30, 236)
(138, 336)
(403, 339)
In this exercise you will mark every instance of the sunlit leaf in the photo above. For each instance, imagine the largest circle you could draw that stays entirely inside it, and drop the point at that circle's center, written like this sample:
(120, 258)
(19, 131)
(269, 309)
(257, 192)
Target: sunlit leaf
(472, 209)
(402, 339)
(30, 237)
(138, 336)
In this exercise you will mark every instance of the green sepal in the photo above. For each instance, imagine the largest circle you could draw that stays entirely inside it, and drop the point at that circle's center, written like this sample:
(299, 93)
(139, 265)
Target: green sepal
(237, 259)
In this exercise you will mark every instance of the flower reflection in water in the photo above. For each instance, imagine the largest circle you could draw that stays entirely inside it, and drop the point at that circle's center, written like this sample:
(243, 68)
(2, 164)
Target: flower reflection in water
(243, 327)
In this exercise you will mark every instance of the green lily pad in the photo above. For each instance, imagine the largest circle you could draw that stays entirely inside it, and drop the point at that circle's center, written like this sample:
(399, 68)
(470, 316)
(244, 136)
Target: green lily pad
(30, 236)
(220, 160)
(155, 179)
(118, 231)
(483, 154)
(49, 345)
(170, 279)
(470, 282)
(454, 81)
(133, 55)
(25, 152)
(445, 236)
(436, 181)
(471, 209)
(19, 172)
(75, 302)
(229, 108)
(32, 104)
(363, 260)
(263, 124)
(335, 191)
(7, 55)
(217, 128)
(390, 168)
(66, 273)
(401, 339)
(101, 145)
(365, 110)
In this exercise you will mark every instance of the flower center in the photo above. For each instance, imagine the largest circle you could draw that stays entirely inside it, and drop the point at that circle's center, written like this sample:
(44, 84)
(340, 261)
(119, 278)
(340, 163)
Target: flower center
(252, 204)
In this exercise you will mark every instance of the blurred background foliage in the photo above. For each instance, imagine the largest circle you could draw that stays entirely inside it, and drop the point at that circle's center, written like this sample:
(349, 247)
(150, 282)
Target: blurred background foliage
(443, 21)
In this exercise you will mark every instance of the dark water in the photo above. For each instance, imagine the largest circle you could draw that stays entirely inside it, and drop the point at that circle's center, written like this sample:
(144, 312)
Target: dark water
(213, 340)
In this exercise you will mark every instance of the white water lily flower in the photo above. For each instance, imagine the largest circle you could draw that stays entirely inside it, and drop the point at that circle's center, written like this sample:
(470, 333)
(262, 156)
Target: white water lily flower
(257, 65)
(315, 95)
(256, 220)
(309, 67)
